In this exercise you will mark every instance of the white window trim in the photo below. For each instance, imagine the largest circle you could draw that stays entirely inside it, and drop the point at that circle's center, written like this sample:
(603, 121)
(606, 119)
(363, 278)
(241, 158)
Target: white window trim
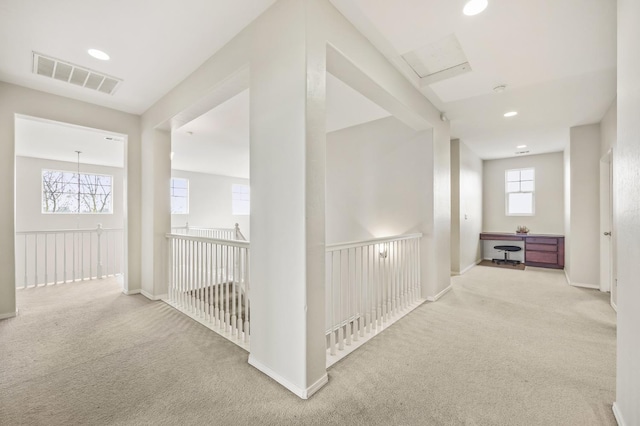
(533, 193)
(188, 197)
(234, 201)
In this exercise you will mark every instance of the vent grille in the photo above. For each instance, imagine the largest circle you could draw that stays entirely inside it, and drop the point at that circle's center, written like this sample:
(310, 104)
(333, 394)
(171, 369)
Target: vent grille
(74, 74)
(522, 152)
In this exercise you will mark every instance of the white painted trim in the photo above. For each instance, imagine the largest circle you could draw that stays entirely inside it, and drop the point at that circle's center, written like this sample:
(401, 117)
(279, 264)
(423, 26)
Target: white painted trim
(465, 270)
(613, 305)
(332, 359)
(618, 415)
(439, 295)
(152, 297)
(9, 315)
(131, 292)
(227, 334)
(302, 393)
(583, 285)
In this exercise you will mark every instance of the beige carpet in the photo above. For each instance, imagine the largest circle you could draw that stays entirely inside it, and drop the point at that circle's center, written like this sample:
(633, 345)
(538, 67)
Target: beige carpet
(491, 264)
(502, 348)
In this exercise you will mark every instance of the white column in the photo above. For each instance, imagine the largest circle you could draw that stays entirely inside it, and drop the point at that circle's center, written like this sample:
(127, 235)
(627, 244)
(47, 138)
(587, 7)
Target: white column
(287, 198)
(156, 210)
(7, 222)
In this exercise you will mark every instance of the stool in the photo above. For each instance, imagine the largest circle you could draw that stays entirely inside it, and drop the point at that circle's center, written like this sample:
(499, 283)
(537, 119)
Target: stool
(506, 250)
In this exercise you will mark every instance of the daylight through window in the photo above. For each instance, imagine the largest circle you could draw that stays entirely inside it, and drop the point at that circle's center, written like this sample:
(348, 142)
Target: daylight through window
(520, 188)
(240, 199)
(179, 196)
(68, 192)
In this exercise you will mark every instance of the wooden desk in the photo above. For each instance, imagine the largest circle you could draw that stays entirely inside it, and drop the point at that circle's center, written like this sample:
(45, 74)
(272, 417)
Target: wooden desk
(542, 250)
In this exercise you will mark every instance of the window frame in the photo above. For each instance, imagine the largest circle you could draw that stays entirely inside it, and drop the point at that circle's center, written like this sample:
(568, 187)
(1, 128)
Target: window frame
(234, 206)
(75, 172)
(171, 196)
(532, 192)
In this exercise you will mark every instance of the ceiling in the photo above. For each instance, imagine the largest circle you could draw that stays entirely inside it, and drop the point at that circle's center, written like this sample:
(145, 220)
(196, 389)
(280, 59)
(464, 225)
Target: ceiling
(58, 141)
(218, 142)
(557, 58)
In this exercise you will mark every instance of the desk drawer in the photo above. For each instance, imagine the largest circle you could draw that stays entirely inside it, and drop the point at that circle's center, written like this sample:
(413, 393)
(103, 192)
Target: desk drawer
(542, 247)
(541, 240)
(541, 257)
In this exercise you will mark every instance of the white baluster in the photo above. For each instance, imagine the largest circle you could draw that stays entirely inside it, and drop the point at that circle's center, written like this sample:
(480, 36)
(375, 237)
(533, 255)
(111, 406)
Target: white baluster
(347, 326)
(55, 258)
(99, 253)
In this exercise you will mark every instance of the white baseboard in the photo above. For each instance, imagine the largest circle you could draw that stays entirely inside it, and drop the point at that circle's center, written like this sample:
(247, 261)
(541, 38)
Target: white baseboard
(130, 292)
(439, 295)
(466, 269)
(9, 315)
(152, 297)
(302, 393)
(582, 285)
(618, 415)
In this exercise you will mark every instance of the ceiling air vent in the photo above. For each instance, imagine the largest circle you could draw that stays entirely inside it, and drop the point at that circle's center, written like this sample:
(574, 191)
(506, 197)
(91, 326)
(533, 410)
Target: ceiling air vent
(74, 74)
(522, 152)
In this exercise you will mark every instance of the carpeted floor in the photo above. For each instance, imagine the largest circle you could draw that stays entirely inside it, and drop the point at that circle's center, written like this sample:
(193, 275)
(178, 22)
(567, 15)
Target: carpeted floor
(491, 264)
(502, 347)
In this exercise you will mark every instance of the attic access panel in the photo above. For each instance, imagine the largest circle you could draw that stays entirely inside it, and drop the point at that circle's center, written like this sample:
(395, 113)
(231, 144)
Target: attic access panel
(439, 60)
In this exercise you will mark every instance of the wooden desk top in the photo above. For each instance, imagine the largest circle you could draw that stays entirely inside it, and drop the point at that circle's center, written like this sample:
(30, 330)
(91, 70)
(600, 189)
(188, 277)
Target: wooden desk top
(512, 236)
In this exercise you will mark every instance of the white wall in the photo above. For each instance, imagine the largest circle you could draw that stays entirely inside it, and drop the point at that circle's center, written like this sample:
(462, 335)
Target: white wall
(455, 206)
(566, 158)
(289, 49)
(210, 202)
(583, 257)
(609, 129)
(466, 205)
(29, 216)
(19, 100)
(377, 174)
(549, 194)
(627, 214)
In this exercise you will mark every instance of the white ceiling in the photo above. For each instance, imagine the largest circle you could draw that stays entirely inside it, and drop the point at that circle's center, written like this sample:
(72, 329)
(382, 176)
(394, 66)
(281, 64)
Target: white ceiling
(557, 57)
(153, 45)
(58, 141)
(218, 142)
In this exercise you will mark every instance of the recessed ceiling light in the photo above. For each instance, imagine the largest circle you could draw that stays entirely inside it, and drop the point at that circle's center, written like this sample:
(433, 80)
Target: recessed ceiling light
(511, 114)
(473, 7)
(98, 54)
(521, 146)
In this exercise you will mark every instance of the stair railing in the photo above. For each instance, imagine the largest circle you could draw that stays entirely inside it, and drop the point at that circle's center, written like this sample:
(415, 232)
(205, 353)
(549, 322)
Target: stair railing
(369, 285)
(64, 255)
(208, 280)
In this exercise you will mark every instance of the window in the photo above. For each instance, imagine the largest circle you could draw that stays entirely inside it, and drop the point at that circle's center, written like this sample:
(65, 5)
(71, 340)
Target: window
(240, 199)
(70, 192)
(519, 188)
(179, 196)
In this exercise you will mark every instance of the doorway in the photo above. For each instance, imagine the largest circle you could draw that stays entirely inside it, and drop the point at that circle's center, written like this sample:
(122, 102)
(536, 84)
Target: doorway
(70, 203)
(607, 236)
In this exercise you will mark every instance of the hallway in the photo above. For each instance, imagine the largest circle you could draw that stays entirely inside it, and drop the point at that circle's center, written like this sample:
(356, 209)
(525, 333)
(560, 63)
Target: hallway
(502, 347)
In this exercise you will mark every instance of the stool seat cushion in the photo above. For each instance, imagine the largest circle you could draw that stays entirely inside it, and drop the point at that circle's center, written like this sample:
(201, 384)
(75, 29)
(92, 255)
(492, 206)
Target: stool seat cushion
(508, 248)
